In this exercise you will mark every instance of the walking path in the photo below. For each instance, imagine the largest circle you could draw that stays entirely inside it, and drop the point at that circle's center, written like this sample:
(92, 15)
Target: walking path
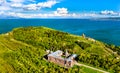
(90, 67)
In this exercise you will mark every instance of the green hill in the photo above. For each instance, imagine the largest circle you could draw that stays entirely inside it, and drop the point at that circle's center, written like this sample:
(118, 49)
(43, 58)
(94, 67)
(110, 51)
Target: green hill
(22, 50)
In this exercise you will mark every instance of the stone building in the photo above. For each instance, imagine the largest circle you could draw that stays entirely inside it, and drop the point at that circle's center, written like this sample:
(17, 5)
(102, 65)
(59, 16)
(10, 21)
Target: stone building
(59, 58)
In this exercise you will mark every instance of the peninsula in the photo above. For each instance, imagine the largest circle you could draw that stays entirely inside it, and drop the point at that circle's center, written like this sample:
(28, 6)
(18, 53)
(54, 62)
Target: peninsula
(23, 49)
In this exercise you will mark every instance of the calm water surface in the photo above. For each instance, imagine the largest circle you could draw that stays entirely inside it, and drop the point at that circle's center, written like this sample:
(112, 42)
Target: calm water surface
(107, 31)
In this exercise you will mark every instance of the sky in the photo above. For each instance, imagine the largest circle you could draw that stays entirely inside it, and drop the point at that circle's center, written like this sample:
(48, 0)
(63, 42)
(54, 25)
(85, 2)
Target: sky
(59, 8)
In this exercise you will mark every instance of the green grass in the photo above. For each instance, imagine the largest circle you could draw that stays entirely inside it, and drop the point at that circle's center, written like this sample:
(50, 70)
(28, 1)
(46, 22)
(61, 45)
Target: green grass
(87, 70)
(23, 49)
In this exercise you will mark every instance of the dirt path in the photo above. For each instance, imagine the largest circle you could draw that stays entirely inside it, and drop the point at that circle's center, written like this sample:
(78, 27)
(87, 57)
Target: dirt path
(91, 67)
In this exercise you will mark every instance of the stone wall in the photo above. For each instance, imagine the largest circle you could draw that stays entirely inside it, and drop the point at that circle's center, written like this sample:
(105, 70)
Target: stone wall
(61, 61)
(56, 60)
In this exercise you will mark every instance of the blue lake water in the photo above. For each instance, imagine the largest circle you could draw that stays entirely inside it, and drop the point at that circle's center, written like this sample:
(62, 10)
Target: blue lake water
(107, 31)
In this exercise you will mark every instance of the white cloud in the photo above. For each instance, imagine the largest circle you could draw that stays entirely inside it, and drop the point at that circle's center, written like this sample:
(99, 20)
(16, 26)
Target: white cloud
(64, 13)
(108, 12)
(16, 5)
(2, 2)
(1, 12)
(48, 4)
(4, 8)
(17, 1)
(31, 7)
(61, 12)
(10, 8)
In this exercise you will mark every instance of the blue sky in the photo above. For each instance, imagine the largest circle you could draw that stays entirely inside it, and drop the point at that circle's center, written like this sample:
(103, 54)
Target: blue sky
(59, 8)
(93, 5)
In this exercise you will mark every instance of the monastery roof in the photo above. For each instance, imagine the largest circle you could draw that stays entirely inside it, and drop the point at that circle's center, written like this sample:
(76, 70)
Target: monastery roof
(56, 54)
(59, 53)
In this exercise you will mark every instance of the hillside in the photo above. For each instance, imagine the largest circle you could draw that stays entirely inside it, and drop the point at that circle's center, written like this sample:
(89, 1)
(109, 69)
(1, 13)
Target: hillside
(22, 50)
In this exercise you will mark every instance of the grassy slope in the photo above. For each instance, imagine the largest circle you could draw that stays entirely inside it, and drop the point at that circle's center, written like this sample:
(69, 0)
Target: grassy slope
(22, 50)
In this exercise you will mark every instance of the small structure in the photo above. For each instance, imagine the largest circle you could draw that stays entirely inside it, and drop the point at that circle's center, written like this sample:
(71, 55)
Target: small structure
(83, 35)
(66, 53)
(66, 61)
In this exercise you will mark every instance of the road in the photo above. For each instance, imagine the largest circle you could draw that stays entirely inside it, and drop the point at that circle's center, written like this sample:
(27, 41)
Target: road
(90, 67)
